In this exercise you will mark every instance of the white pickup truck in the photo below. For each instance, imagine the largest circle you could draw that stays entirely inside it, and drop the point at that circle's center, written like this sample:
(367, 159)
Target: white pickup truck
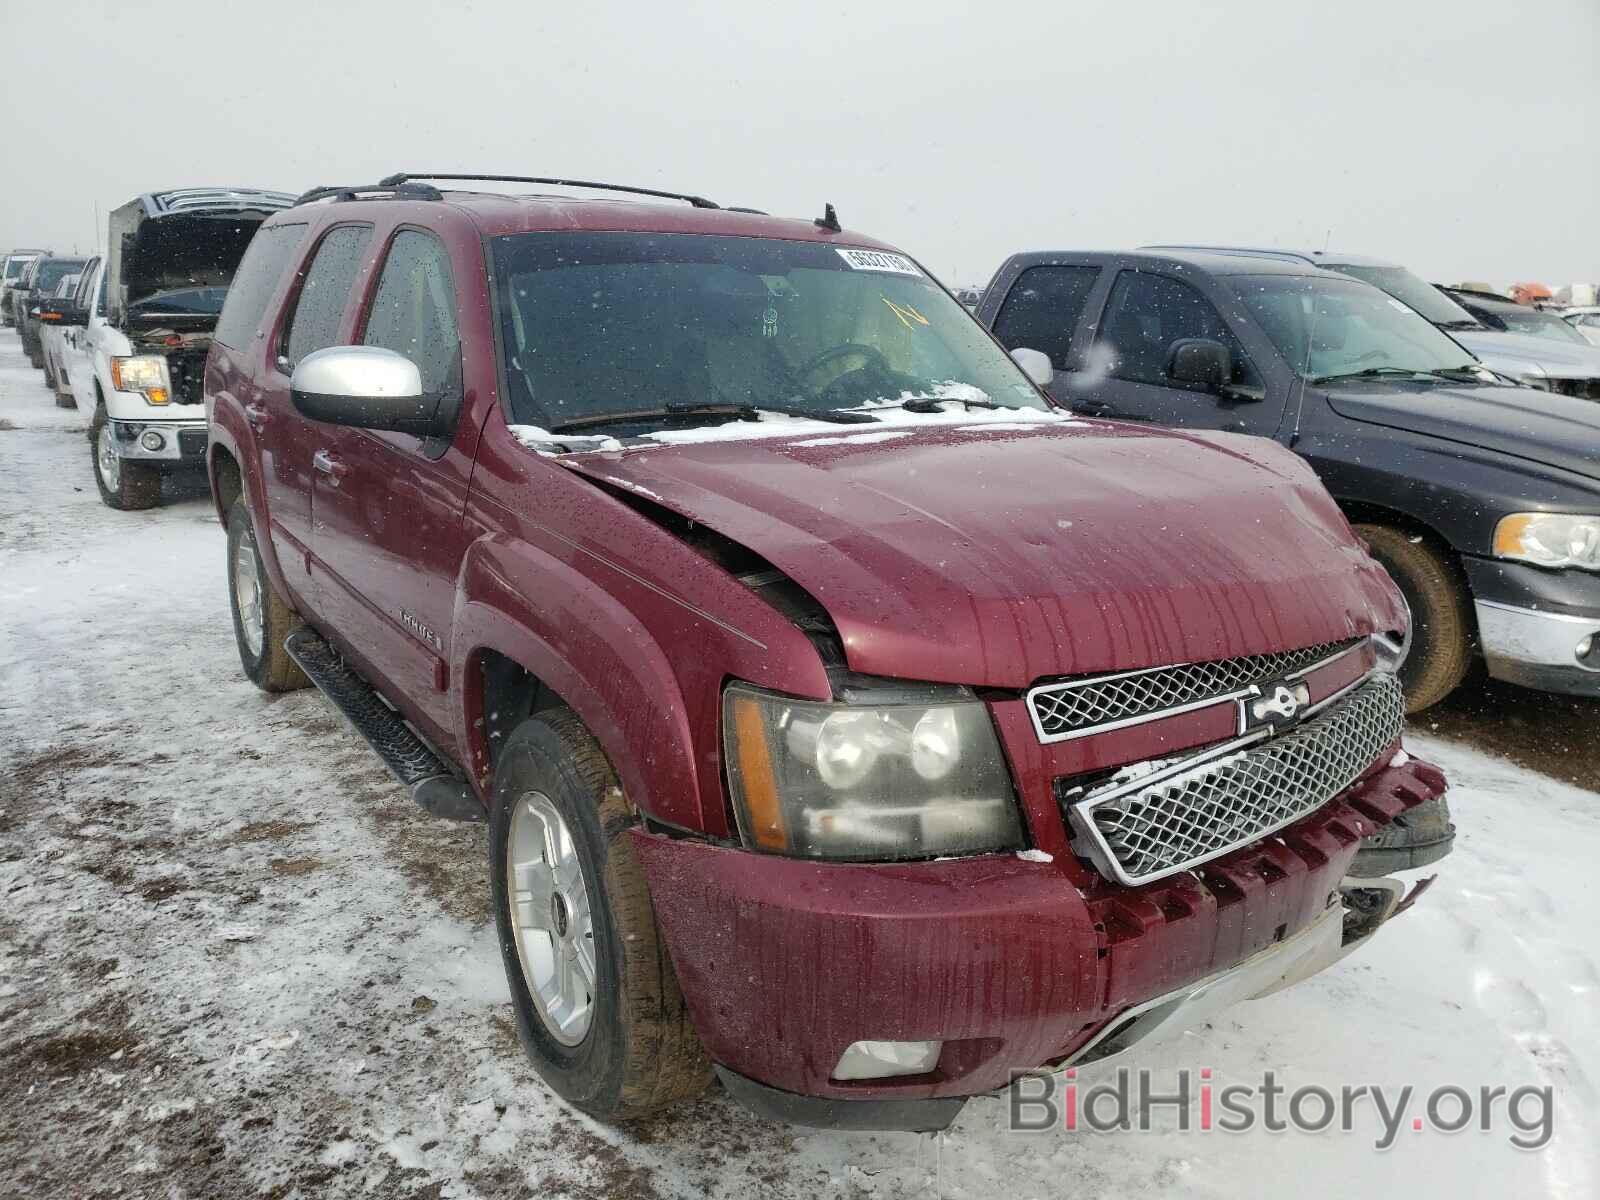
(138, 359)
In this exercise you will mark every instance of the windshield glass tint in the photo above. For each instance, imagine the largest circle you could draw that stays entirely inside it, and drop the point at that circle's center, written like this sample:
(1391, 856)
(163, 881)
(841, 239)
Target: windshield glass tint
(1416, 293)
(199, 301)
(619, 322)
(54, 271)
(1324, 325)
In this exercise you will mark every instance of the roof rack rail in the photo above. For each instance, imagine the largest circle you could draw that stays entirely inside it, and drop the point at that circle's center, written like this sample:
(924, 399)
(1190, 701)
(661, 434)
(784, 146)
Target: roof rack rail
(400, 191)
(404, 178)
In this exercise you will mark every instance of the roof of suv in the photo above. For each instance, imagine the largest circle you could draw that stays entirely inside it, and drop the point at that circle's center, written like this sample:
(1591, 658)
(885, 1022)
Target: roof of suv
(496, 214)
(1206, 259)
(1310, 258)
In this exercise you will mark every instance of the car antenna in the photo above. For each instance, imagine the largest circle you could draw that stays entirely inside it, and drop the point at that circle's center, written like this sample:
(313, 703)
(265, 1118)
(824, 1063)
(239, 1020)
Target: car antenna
(829, 220)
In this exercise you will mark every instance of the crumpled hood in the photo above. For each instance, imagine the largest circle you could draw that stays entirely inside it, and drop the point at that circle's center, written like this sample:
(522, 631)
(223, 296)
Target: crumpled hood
(1000, 555)
(1505, 351)
(1542, 427)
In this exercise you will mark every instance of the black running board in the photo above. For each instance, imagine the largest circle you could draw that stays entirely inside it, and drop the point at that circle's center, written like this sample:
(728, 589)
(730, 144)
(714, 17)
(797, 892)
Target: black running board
(433, 785)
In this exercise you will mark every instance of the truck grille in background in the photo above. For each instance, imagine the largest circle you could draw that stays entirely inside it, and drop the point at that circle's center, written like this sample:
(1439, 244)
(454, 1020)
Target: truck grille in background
(1584, 389)
(1080, 706)
(1208, 804)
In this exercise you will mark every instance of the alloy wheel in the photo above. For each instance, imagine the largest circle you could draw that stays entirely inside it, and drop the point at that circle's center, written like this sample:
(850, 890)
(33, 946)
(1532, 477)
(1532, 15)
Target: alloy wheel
(551, 918)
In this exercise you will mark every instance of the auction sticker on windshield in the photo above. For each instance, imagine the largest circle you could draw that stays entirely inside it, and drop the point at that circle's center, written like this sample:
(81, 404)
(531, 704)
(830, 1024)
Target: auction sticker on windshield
(878, 260)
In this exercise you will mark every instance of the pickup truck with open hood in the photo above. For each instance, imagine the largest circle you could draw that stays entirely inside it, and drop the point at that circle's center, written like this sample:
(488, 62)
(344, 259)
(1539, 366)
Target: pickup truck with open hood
(169, 259)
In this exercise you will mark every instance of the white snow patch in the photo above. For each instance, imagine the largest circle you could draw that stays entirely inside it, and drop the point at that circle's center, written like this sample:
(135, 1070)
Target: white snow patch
(856, 439)
(542, 441)
(1035, 856)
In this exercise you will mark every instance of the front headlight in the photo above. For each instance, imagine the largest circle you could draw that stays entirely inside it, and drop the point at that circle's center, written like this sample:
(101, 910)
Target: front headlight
(877, 782)
(1550, 539)
(145, 373)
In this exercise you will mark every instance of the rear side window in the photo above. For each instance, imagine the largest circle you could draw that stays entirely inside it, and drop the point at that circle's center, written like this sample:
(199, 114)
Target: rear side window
(315, 324)
(414, 310)
(1146, 313)
(1042, 309)
(257, 278)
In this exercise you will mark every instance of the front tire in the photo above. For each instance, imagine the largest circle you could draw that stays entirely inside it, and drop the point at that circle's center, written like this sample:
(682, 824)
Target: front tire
(597, 1003)
(261, 619)
(124, 485)
(1441, 613)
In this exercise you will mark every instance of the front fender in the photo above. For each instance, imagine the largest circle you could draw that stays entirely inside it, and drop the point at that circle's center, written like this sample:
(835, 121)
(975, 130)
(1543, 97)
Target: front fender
(625, 692)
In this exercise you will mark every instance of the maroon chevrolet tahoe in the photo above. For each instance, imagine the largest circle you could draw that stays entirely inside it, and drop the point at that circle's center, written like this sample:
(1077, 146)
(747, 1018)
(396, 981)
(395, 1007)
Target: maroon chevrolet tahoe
(851, 723)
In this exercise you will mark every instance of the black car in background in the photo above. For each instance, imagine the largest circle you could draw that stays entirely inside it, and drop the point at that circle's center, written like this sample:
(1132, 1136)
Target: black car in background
(1507, 316)
(38, 282)
(1481, 499)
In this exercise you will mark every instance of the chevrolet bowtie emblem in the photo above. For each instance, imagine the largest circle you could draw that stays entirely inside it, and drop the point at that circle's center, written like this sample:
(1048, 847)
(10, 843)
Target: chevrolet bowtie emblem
(1280, 701)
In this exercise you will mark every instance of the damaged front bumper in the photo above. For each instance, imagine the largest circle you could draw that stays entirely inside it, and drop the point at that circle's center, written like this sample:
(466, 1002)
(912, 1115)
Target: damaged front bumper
(1001, 964)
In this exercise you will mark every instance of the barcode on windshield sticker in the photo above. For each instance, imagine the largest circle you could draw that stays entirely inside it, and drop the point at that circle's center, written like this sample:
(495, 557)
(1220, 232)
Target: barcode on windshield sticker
(877, 260)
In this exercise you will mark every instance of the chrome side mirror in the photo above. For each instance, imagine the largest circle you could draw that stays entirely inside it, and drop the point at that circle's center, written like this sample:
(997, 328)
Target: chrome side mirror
(1035, 365)
(367, 387)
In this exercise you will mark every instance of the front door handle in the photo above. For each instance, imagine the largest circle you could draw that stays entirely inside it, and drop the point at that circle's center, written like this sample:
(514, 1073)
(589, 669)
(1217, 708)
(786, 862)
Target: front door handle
(256, 415)
(329, 465)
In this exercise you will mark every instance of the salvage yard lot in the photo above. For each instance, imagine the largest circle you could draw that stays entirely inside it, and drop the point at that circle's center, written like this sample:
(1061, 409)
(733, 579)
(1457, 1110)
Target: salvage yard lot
(235, 961)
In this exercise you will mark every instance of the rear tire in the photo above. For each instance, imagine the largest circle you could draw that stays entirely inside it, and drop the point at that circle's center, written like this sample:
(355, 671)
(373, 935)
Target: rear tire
(1441, 613)
(124, 485)
(261, 619)
(636, 1051)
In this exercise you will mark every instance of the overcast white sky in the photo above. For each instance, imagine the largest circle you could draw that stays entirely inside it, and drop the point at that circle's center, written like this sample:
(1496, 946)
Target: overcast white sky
(1459, 136)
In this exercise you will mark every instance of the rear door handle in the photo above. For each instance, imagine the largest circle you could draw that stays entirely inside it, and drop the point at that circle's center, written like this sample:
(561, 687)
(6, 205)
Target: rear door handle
(256, 415)
(329, 465)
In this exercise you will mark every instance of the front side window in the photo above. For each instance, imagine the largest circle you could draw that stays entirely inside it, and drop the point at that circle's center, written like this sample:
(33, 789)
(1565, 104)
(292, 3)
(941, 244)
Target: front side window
(1043, 308)
(1145, 314)
(320, 305)
(54, 271)
(1328, 327)
(414, 310)
(86, 283)
(608, 323)
(253, 284)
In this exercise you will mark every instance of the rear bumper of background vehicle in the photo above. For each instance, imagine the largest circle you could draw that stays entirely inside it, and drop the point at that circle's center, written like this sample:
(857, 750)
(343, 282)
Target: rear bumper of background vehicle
(1540, 649)
(785, 963)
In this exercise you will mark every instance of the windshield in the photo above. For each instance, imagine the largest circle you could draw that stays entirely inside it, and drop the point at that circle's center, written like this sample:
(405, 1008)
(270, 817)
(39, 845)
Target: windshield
(15, 267)
(605, 323)
(53, 271)
(181, 302)
(1325, 326)
(1416, 293)
(1536, 324)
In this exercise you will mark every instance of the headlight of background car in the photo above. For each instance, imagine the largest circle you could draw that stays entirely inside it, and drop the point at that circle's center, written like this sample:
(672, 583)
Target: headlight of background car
(1550, 539)
(145, 373)
(876, 782)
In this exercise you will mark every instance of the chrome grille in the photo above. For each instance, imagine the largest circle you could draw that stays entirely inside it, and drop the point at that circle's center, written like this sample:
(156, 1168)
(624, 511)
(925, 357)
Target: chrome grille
(1204, 806)
(1077, 707)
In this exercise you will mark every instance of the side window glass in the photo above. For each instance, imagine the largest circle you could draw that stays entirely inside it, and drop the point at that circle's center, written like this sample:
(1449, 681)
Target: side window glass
(414, 310)
(1146, 313)
(100, 299)
(1043, 308)
(86, 284)
(315, 323)
(253, 283)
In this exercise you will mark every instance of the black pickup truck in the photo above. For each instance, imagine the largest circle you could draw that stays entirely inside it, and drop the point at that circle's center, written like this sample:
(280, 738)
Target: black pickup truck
(1481, 499)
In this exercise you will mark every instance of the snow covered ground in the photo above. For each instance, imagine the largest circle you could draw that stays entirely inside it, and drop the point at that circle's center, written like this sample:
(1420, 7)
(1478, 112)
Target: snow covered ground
(234, 960)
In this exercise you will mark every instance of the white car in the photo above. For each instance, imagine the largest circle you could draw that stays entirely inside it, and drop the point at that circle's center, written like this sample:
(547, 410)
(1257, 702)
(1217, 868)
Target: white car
(1586, 320)
(145, 332)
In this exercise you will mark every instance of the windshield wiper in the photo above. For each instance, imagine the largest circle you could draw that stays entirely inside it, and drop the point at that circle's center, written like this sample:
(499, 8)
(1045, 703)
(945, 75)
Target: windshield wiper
(737, 412)
(930, 404)
(1451, 374)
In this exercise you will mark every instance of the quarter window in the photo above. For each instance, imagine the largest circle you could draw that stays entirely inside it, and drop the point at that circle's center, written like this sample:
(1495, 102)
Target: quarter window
(1146, 313)
(1043, 308)
(315, 325)
(414, 310)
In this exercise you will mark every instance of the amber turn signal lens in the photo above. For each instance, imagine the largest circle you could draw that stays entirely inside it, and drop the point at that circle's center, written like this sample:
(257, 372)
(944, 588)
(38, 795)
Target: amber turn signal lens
(760, 786)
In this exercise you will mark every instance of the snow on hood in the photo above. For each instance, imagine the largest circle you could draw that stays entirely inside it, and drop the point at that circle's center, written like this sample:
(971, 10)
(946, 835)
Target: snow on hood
(1005, 555)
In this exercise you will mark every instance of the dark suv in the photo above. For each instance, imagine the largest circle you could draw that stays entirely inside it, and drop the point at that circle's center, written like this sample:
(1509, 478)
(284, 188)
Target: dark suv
(1481, 499)
(37, 283)
(849, 719)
